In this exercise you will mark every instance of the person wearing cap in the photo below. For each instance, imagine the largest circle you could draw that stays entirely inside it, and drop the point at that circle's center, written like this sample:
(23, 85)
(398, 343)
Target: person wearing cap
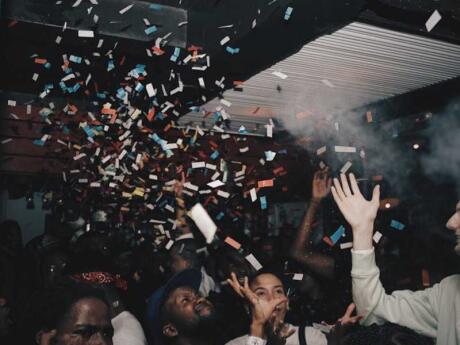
(434, 312)
(179, 315)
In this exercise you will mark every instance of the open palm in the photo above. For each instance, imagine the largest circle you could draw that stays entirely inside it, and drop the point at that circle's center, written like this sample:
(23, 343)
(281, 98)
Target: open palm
(358, 211)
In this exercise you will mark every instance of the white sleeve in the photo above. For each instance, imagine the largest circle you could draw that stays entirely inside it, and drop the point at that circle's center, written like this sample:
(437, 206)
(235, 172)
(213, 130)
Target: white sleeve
(127, 330)
(314, 336)
(416, 310)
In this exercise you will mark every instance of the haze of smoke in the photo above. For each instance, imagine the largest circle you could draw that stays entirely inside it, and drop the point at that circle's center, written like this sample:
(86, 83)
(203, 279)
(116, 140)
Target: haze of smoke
(443, 160)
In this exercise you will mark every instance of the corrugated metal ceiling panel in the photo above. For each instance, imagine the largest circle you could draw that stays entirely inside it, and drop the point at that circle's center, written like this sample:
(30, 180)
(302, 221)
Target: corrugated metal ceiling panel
(364, 63)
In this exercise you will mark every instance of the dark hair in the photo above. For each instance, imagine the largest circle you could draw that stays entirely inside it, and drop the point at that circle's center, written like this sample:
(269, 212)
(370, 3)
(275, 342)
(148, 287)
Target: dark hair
(267, 271)
(49, 307)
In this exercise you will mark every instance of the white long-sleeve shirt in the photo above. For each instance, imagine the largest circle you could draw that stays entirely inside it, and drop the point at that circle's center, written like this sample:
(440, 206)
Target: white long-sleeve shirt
(127, 330)
(434, 312)
(312, 337)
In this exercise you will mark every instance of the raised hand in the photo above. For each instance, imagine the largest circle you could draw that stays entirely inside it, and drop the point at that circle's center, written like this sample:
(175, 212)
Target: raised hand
(347, 318)
(321, 185)
(261, 309)
(358, 211)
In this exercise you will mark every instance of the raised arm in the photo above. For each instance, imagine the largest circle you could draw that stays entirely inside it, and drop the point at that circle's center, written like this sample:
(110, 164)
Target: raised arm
(415, 310)
(301, 249)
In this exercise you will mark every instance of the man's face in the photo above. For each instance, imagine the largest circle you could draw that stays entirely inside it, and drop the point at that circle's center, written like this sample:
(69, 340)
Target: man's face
(454, 224)
(88, 324)
(267, 286)
(190, 314)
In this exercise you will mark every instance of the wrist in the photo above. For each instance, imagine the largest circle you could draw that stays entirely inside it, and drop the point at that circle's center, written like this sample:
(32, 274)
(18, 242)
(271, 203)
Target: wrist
(257, 329)
(315, 200)
(362, 237)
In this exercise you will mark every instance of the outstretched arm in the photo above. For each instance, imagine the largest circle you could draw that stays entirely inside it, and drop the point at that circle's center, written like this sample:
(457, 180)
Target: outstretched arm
(302, 250)
(415, 310)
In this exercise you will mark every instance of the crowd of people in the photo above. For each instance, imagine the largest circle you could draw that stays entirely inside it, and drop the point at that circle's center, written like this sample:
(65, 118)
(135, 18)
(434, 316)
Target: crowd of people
(91, 289)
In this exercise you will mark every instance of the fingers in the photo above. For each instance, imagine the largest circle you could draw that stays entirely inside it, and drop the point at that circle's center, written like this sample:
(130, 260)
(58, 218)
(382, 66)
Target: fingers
(349, 311)
(338, 189)
(354, 185)
(345, 186)
(376, 195)
(235, 284)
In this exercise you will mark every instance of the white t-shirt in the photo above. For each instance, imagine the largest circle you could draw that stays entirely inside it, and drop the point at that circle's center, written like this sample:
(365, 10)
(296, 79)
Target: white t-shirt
(312, 337)
(127, 330)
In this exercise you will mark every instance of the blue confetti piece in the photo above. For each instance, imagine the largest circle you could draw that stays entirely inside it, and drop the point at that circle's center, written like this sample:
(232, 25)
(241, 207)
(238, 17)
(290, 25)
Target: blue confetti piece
(75, 59)
(139, 87)
(287, 14)
(110, 65)
(220, 216)
(175, 55)
(397, 225)
(47, 65)
(63, 85)
(39, 142)
(337, 234)
(89, 131)
(76, 87)
(232, 51)
(263, 202)
(101, 95)
(150, 30)
(214, 155)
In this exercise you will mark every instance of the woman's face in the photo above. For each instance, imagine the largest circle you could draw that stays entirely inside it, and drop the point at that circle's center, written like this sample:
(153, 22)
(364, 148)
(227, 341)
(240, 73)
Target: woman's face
(268, 287)
(87, 324)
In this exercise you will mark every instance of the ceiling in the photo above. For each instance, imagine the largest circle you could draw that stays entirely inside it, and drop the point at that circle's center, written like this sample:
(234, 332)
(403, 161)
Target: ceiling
(356, 65)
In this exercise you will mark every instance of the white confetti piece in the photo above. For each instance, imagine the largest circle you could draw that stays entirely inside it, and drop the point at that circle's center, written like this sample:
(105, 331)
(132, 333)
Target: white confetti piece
(254, 262)
(86, 33)
(280, 75)
(203, 221)
(345, 149)
(126, 9)
(433, 20)
(346, 166)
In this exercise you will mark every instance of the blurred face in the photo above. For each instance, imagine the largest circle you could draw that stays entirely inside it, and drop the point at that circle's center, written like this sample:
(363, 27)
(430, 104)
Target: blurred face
(190, 315)
(454, 224)
(88, 324)
(268, 286)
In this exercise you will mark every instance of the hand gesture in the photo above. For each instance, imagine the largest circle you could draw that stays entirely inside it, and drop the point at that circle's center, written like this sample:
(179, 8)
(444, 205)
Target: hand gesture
(261, 309)
(321, 185)
(347, 318)
(358, 212)
(279, 333)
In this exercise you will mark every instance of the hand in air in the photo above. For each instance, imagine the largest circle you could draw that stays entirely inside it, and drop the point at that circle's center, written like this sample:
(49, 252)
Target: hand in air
(262, 310)
(321, 185)
(358, 211)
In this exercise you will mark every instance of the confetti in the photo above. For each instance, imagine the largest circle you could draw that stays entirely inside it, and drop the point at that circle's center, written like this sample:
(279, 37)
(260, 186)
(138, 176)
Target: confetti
(433, 20)
(397, 225)
(254, 262)
(203, 221)
(280, 75)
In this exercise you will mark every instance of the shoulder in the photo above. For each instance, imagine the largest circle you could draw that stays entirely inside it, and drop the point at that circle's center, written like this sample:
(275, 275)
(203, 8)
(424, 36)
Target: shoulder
(450, 283)
(238, 341)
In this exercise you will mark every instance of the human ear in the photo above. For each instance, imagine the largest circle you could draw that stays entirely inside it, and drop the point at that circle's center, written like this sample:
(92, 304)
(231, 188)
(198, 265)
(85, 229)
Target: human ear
(170, 331)
(44, 337)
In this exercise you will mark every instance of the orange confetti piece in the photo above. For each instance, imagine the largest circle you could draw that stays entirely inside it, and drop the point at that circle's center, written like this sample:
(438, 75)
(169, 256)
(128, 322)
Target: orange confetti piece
(425, 278)
(231, 242)
(265, 183)
(369, 116)
(328, 241)
(40, 61)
